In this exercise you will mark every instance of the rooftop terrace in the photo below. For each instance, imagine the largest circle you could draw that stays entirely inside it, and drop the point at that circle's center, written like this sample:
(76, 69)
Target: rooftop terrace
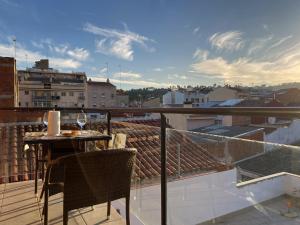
(200, 170)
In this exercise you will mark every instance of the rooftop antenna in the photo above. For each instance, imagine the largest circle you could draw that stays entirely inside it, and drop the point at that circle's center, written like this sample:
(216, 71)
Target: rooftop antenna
(120, 68)
(26, 56)
(106, 70)
(15, 46)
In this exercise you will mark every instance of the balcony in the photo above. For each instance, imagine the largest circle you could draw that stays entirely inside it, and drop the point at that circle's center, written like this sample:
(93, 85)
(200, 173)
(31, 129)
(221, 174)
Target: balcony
(20, 206)
(180, 177)
(41, 98)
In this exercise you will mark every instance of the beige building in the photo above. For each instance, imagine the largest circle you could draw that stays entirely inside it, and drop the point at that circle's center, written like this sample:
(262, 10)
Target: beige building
(42, 86)
(101, 94)
(225, 93)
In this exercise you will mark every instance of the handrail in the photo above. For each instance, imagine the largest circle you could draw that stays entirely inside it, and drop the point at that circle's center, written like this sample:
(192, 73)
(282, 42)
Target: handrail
(243, 111)
(290, 112)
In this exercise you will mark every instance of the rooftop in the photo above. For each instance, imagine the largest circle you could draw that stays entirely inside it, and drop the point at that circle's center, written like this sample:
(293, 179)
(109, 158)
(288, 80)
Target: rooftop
(271, 212)
(227, 131)
(278, 159)
(100, 83)
(144, 138)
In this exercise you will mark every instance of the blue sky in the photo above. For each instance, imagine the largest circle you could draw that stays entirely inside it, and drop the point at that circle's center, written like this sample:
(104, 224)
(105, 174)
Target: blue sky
(158, 43)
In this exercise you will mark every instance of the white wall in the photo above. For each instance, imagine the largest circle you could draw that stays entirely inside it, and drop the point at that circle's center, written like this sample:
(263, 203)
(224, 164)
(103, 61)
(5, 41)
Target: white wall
(173, 97)
(201, 198)
(227, 120)
(285, 135)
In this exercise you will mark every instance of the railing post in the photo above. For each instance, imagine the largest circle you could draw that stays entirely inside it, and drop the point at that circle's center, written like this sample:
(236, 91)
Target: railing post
(108, 123)
(163, 154)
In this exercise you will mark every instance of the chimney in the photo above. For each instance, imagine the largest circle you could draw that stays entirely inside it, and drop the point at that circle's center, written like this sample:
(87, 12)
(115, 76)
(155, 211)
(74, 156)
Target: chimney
(42, 64)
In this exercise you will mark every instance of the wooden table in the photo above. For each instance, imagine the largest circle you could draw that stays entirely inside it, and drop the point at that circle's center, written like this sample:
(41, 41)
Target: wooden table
(36, 138)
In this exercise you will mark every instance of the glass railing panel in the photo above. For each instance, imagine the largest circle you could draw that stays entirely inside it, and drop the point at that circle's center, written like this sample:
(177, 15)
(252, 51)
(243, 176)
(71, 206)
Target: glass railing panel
(145, 196)
(213, 179)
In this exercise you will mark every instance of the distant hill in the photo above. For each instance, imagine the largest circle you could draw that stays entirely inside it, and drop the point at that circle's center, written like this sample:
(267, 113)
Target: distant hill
(286, 86)
(144, 94)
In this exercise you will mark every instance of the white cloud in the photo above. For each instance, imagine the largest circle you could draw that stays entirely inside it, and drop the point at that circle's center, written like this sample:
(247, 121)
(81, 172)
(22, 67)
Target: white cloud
(284, 67)
(280, 41)
(195, 31)
(61, 49)
(231, 40)
(118, 43)
(176, 76)
(266, 27)
(129, 75)
(157, 69)
(24, 55)
(37, 45)
(259, 43)
(200, 54)
(103, 70)
(78, 53)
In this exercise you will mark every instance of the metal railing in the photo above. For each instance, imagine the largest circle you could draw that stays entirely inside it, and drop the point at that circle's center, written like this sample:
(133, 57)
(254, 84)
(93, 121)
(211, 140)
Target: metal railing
(286, 112)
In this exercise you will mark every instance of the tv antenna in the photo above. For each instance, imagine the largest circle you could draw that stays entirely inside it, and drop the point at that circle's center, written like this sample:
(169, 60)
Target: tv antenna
(15, 46)
(106, 70)
(120, 69)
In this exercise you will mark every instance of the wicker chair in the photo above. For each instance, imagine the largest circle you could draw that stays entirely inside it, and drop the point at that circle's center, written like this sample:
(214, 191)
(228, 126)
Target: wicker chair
(90, 178)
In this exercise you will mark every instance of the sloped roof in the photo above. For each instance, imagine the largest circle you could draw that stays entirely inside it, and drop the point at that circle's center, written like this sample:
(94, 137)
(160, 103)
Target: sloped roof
(228, 131)
(231, 102)
(146, 139)
(281, 159)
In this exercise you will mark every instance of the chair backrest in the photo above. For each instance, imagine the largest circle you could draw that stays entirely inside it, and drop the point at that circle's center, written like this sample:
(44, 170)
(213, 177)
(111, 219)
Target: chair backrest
(96, 177)
(120, 141)
(102, 144)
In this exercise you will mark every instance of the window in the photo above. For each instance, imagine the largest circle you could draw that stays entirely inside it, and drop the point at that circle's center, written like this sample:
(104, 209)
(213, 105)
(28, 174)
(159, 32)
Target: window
(26, 92)
(112, 95)
(27, 104)
(103, 95)
(63, 94)
(94, 105)
(71, 93)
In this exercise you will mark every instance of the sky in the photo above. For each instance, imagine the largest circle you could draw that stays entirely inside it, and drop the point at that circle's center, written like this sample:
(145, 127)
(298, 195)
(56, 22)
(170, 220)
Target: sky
(148, 43)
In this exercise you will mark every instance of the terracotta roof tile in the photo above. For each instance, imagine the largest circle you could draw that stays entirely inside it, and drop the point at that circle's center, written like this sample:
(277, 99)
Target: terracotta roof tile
(17, 166)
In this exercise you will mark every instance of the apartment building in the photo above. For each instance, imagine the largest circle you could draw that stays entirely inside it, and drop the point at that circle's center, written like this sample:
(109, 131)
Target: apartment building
(42, 86)
(101, 94)
(8, 82)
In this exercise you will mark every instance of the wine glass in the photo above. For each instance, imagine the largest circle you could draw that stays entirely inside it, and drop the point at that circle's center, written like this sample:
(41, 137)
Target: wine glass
(81, 120)
(45, 120)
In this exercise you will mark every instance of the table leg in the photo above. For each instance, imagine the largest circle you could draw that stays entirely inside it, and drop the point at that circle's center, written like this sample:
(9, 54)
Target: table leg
(36, 152)
(49, 148)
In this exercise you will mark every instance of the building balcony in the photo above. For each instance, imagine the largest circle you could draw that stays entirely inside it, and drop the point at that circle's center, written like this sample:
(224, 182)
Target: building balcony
(41, 98)
(55, 97)
(210, 177)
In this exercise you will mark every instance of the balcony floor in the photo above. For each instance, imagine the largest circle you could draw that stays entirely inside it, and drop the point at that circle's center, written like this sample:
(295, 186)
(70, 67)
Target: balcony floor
(19, 205)
(270, 212)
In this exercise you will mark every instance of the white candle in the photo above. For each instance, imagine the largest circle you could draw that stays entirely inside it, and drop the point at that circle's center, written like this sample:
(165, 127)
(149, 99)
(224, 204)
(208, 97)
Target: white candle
(53, 123)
